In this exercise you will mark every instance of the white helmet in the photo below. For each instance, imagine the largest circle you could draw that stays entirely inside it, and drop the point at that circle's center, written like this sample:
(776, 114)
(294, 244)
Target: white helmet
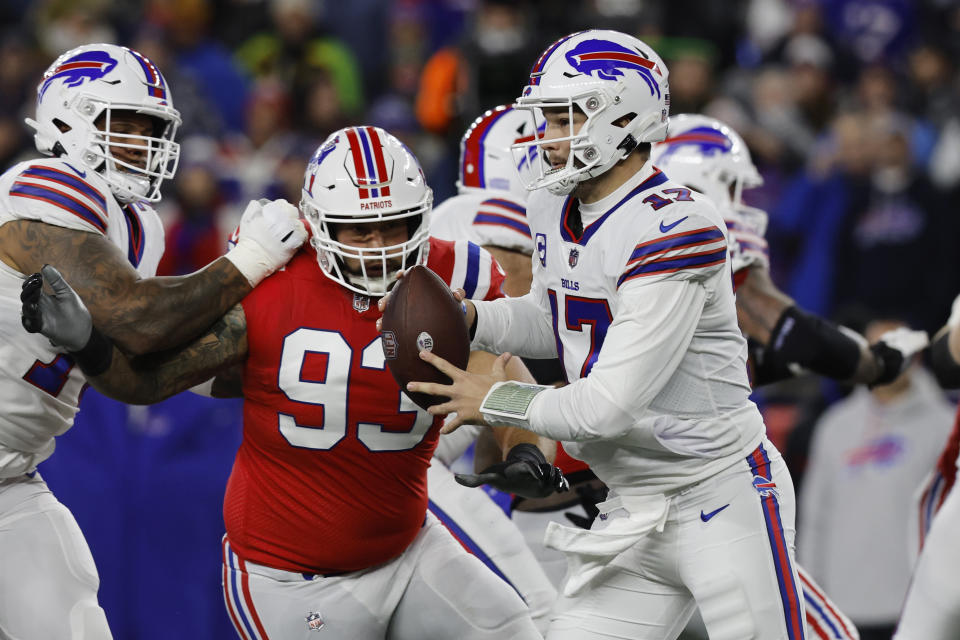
(363, 175)
(609, 76)
(94, 80)
(486, 161)
(707, 155)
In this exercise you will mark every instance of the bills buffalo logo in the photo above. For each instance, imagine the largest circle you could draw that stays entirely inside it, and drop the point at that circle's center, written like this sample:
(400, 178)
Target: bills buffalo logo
(707, 140)
(425, 341)
(83, 67)
(314, 621)
(573, 258)
(765, 487)
(608, 60)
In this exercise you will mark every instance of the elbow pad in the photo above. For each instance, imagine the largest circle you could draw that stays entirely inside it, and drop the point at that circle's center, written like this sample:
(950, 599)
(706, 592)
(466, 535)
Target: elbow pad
(945, 368)
(813, 343)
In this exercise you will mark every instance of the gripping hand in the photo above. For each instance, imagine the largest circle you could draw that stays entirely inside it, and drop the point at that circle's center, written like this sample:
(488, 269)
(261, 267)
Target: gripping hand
(525, 472)
(895, 349)
(61, 317)
(270, 233)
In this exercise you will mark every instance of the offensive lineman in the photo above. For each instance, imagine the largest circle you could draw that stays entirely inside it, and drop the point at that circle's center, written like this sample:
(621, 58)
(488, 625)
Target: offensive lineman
(106, 116)
(632, 291)
(326, 507)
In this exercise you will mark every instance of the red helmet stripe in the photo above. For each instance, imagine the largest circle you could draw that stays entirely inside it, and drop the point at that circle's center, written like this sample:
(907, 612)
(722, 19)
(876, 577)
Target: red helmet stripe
(354, 141)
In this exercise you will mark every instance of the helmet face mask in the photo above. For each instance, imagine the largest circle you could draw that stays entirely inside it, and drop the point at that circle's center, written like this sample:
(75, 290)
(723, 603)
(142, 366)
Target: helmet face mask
(617, 82)
(360, 177)
(78, 101)
(707, 155)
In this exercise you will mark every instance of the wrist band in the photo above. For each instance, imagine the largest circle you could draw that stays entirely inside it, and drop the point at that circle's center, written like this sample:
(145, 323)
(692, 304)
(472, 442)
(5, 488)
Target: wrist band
(95, 356)
(508, 403)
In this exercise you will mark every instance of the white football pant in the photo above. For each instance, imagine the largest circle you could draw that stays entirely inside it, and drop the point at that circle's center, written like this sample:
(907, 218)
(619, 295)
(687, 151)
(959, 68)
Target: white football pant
(485, 531)
(48, 581)
(932, 609)
(725, 545)
(433, 590)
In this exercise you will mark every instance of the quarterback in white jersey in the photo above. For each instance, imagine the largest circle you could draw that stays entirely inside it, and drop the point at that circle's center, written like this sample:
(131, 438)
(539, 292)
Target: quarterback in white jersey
(632, 290)
(106, 116)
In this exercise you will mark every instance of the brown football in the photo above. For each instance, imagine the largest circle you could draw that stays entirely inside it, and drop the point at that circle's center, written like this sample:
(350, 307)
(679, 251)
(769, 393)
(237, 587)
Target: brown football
(422, 314)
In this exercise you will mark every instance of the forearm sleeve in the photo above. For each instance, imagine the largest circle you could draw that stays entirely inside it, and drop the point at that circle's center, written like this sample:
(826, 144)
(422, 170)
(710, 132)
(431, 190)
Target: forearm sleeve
(644, 345)
(813, 343)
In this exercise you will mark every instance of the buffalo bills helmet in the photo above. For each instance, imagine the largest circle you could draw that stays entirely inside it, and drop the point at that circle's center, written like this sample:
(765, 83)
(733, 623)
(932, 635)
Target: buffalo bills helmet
(707, 155)
(363, 175)
(620, 85)
(75, 100)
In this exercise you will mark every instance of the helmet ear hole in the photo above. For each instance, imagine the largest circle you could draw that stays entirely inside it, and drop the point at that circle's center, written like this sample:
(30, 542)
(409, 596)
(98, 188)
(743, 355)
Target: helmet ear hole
(61, 125)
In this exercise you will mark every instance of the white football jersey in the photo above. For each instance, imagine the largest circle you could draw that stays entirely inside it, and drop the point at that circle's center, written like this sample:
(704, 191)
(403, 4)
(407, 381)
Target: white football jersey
(746, 228)
(644, 322)
(39, 384)
(486, 217)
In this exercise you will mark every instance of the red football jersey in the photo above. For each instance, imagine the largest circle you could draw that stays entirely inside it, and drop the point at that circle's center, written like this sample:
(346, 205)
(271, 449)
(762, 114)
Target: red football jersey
(331, 474)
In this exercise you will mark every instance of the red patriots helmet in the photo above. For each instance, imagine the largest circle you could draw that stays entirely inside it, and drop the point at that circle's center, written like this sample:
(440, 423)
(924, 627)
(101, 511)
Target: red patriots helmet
(486, 161)
(96, 79)
(365, 175)
(610, 77)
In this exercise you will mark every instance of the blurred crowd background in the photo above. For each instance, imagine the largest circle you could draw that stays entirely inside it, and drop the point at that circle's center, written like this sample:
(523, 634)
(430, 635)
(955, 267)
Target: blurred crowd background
(850, 108)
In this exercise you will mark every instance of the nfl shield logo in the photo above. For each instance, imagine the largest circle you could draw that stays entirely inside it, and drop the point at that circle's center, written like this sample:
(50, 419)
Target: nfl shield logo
(314, 622)
(360, 302)
(574, 256)
(389, 341)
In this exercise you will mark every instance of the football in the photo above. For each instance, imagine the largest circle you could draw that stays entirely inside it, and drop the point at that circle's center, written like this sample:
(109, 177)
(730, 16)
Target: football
(422, 314)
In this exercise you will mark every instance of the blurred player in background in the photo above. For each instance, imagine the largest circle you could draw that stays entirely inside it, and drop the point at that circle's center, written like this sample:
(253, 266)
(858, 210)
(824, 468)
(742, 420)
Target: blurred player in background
(704, 154)
(106, 116)
(932, 608)
(631, 289)
(326, 507)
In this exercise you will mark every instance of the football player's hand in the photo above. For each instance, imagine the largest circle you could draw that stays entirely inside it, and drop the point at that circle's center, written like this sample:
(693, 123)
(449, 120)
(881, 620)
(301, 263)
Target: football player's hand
(270, 234)
(525, 473)
(465, 392)
(895, 350)
(61, 317)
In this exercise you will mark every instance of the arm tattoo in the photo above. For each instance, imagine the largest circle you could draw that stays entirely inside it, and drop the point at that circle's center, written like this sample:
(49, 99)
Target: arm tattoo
(140, 315)
(153, 377)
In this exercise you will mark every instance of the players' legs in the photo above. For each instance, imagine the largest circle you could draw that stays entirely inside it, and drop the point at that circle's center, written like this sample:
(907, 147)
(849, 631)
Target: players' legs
(533, 525)
(487, 533)
(932, 609)
(639, 597)
(737, 550)
(451, 594)
(48, 584)
(824, 620)
(263, 602)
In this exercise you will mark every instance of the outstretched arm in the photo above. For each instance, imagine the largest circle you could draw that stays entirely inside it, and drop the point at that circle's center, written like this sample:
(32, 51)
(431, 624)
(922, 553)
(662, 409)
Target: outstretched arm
(63, 318)
(790, 336)
(142, 315)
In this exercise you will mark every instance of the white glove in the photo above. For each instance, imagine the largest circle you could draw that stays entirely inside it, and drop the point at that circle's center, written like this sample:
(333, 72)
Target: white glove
(270, 233)
(896, 349)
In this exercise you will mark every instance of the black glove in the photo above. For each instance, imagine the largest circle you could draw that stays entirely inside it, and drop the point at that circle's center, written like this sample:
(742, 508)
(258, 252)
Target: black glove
(590, 497)
(525, 473)
(895, 350)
